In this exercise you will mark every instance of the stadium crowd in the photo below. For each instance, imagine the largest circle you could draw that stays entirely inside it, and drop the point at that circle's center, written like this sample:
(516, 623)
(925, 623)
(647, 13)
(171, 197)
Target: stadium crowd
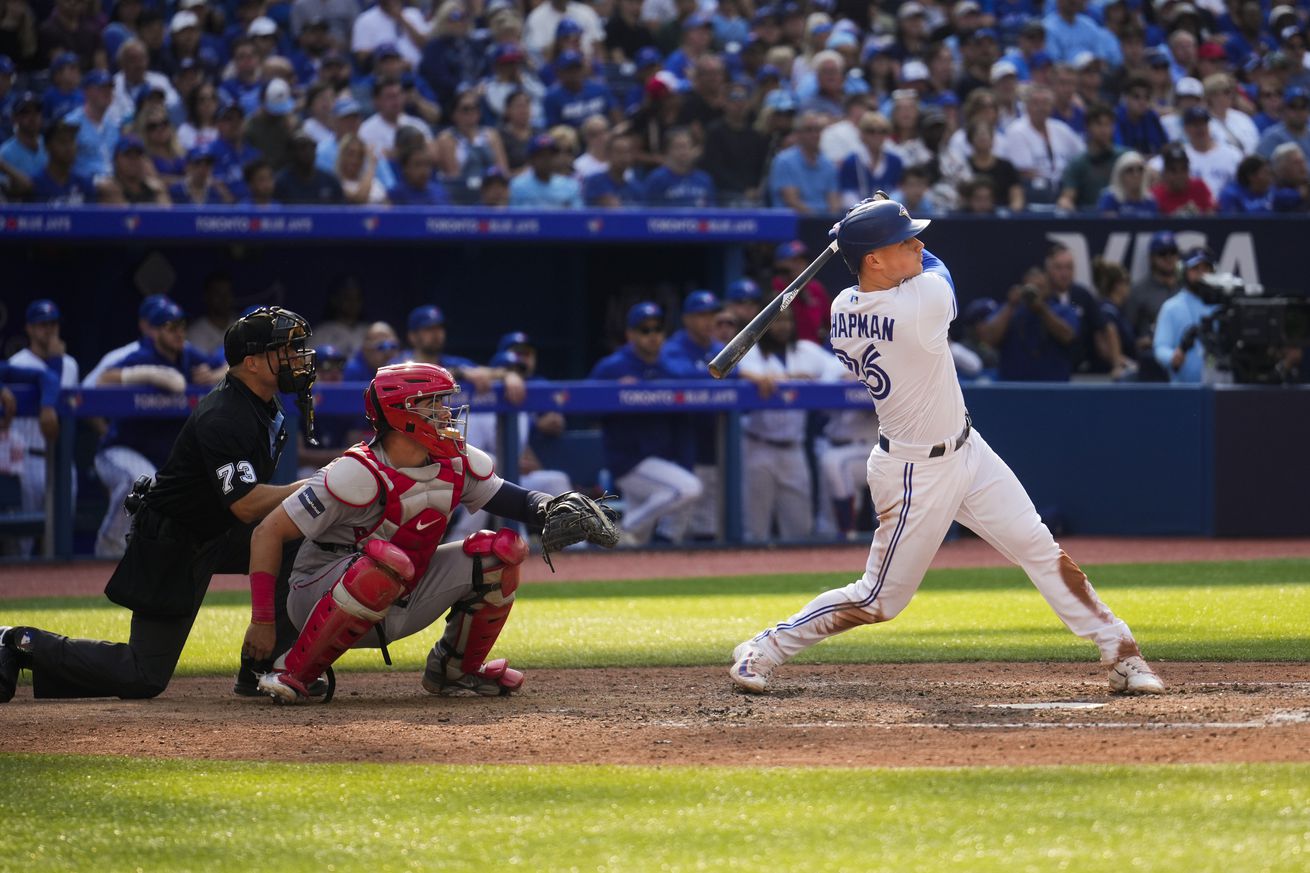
(977, 106)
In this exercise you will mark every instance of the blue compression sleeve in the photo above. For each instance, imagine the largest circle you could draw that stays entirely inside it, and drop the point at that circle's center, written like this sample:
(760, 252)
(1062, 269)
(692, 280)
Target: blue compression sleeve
(934, 264)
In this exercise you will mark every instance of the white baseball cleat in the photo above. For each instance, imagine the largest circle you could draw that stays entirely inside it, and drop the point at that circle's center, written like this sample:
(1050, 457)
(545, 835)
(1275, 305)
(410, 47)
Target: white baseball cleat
(282, 688)
(1134, 676)
(750, 669)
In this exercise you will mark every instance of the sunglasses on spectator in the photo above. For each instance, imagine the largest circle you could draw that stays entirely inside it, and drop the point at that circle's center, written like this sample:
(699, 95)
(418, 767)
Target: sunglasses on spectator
(156, 125)
(649, 329)
(1269, 95)
(467, 107)
(881, 130)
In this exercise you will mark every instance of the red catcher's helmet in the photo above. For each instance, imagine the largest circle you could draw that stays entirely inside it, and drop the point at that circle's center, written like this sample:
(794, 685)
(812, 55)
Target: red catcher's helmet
(411, 399)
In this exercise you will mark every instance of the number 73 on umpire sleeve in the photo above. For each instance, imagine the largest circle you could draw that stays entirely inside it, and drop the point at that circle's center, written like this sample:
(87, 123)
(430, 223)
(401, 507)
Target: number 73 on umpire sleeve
(241, 469)
(874, 377)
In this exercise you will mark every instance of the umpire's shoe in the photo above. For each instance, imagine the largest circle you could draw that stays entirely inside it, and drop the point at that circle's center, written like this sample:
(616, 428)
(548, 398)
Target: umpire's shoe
(11, 662)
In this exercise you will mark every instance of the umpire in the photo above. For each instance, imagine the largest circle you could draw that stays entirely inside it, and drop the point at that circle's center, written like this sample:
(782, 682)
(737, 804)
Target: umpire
(213, 485)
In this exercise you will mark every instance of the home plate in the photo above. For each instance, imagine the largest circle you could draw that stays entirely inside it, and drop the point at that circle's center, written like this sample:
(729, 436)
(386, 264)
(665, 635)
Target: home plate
(1052, 704)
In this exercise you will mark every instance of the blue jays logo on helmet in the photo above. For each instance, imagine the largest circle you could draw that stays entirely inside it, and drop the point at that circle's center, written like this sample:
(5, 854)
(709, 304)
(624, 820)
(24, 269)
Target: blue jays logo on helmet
(871, 225)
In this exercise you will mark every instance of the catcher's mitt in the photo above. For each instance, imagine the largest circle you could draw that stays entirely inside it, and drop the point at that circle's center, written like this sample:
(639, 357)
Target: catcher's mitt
(573, 517)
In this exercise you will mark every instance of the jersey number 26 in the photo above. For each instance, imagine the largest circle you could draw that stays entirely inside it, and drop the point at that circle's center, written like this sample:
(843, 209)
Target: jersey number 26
(874, 377)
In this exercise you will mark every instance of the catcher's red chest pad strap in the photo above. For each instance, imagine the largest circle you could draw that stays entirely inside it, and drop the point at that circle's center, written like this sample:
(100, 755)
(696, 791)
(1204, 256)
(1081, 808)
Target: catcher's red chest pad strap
(415, 513)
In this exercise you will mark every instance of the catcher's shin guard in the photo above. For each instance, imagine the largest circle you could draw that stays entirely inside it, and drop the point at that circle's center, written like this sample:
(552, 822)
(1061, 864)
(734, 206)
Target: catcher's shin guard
(359, 600)
(458, 660)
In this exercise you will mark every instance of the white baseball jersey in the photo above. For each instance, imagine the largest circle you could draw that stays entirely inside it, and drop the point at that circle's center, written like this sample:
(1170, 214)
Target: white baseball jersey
(896, 344)
(26, 428)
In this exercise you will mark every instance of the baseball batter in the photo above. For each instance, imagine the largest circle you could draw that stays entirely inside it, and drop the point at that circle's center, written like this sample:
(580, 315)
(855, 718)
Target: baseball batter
(930, 466)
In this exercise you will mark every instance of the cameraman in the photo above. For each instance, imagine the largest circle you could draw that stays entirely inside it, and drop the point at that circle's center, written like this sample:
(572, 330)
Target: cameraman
(1034, 332)
(1179, 321)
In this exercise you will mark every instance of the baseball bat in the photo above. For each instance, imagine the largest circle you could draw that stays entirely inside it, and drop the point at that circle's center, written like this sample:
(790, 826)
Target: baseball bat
(749, 335)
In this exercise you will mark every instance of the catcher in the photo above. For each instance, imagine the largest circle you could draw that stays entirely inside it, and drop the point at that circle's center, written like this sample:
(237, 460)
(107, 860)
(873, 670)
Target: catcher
(371, 569)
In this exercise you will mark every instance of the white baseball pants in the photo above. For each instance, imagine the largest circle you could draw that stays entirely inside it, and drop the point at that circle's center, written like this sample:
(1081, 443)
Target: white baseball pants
(655, 489)
(118, 467)
(776, 483)
(917, 498)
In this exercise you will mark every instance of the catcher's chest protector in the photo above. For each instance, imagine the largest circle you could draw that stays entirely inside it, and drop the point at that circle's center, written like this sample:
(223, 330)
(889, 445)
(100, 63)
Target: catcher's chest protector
(417, 503)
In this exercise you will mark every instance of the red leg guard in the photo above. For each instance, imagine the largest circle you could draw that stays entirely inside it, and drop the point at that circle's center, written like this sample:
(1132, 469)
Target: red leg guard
(501, 553)
(359, 600)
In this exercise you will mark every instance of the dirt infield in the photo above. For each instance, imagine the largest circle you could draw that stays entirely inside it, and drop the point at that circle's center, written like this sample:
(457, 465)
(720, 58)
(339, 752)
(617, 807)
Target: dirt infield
(871, 715)
(866, 715)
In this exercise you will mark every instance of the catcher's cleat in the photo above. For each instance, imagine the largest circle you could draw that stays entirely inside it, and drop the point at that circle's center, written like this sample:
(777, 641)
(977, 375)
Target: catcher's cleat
(247, 683)
(493, 679)
(1134, 676)
(750, 669)
(284, 688)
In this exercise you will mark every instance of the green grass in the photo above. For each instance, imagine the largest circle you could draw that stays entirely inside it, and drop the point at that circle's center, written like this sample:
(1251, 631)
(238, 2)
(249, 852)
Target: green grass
(1251, 610)
(106, 814)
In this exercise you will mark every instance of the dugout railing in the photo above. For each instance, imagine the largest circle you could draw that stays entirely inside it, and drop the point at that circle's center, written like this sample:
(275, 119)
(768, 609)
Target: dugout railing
(1118, 460)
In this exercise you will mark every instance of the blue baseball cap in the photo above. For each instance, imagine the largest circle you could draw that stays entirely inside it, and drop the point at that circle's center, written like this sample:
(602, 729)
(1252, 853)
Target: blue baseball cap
(567, 27)
(512, 339)
(346, 106)
(164, 313)
(63, 59)
(426, 316)
(507, 53)
(979, 310)
(386, 50)
(700, 301)
(644, 311)
(542, 142)
(27, 98)
(200, 153)
(1157, 57)
(744, 289)
(647, 56)
(42, 312)
(1163, 241)
(793, 249)
(148, 305)
(1041, 60)
(1198, 256)
(96, 78)
(128, 144)
(569, 59)
(1295, 92)
(696, 19)
(1196, 114)
(329, 352)
(982, 33)
(6, 66)
(841, 39)
(768, 71)
(780, 100)
(508, 360)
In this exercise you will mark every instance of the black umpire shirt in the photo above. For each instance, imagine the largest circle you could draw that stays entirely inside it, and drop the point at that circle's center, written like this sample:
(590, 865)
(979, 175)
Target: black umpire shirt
(229, 444)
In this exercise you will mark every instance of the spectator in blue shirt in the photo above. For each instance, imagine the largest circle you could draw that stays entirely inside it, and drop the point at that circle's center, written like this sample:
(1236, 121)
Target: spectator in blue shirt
(859, 178)
(678, 183)
(416, 186)
(801, 178)
(1127, 195)
(58, 184)
(1296, 112)
(1034, 333)
(1252, 192)
(97, 125)
(618, 185)
(64, 94)
(575, 98)
(380, 346)
(649, 456)
(540, 185)
(198, 188)
(231, 153)
(1069, 32)
(24, 150)
(1136, 124)
(245, 86)
(1178, 324)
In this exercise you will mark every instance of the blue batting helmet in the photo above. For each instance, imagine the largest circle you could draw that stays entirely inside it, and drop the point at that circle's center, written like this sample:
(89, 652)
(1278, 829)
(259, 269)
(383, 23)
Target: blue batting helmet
(871, 225)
